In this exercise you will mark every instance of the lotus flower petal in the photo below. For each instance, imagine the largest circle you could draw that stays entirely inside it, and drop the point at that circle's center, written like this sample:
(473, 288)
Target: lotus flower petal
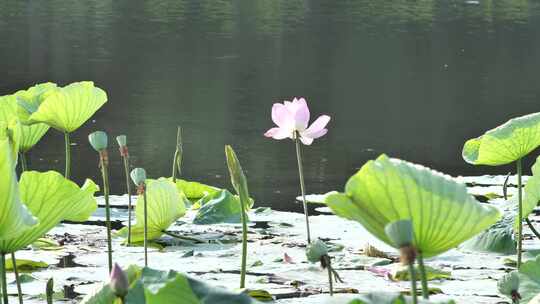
(506, 143)
(14, 216)
(67, 108)
(51, 198)
(387, 190)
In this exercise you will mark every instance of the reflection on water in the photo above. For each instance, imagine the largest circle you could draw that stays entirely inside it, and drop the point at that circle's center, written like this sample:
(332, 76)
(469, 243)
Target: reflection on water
(413, 79)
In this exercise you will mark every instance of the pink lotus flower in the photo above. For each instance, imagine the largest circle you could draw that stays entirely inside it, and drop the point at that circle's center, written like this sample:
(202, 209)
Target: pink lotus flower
(291, 117)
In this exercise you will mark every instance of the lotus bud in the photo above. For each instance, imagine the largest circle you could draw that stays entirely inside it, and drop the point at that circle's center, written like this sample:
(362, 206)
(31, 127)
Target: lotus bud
(49, 291)
(119, 282)
(98, 140)
(316, 250)
(238, 178)
(401, 236)
(138, 176)
(508, 285)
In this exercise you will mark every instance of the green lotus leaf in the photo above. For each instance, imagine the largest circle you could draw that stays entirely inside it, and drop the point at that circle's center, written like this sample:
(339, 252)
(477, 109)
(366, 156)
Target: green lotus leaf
(30, 134)
(387, 190)
(165, 206)
(15, 218)
(499, 238)
(51, 198)
(506, 143)
(195, 190)
(67, 108)
(29, 100)
(219, 207)
(390, 298)
(531, 192)
(529, 279)
(88, 206)
(149, 286)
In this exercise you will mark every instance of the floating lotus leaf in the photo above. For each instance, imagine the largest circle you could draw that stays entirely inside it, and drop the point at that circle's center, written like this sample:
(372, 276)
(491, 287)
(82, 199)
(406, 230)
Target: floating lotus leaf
(51, 198)
(390, 298)
(66, 108)
(529, 279)
(387, 190)
(14, 216)
(30, 134)
(165, 206)
(506, 143)
(151, 286)
(499, 238)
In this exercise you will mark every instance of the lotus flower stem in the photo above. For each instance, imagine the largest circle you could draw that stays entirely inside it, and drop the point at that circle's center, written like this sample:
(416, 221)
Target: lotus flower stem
(103, 163)
(145, 229)
(128, 185)
(183, 237)
(24, 165)
(414, 291)
(520, 214)
(3, 277)
(239, 182)
(16, 273)
(302, 184)
(49, 291)
(178, 154)
(67, 172)
(423, 276)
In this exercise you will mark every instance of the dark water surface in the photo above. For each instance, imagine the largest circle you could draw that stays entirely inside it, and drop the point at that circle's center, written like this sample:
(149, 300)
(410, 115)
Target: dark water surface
(413, 79)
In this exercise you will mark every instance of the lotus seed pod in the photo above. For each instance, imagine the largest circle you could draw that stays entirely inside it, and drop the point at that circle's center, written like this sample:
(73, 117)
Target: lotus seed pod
(138, 176)
(508, 285)
(119, 282)
(98, 140)
(316, 250)
(121, 140)
(400, 233)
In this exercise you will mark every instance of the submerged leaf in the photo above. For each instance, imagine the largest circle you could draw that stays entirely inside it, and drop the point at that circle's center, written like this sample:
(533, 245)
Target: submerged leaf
(67, 108)
(51, 198)
(386, 190)
(165, 206)
(506, 143)
(14, 216)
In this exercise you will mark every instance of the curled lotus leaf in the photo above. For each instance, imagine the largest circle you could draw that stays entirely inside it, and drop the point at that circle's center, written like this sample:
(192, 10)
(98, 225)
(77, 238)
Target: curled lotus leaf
(506, 143)
(66, 108)
(15, 218)
(385, 190)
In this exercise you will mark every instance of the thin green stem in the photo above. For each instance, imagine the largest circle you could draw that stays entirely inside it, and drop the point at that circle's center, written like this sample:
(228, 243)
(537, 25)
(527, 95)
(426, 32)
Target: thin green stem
(330, 273)
(183, 237)
(414, 290)
(302, 184)
(177, 161)
(423, 276)
(531, 226)
(243, 200)
(67, 170)
(105, 176)
(145, 230)
(24, 164)
(16, 273)
(128, 185)
(520, 214)
(4, 279)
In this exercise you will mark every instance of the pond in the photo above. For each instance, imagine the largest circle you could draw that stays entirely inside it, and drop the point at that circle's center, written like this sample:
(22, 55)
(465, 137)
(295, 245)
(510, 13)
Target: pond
(413, 79)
